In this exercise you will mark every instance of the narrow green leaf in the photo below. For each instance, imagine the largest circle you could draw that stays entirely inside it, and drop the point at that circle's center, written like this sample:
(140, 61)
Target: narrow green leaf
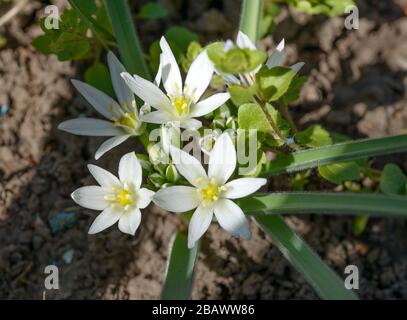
(180, 269)
(126, 36)
(346, 151)
(393, 180)
(252, 11)
(326, 203)
(319, 275)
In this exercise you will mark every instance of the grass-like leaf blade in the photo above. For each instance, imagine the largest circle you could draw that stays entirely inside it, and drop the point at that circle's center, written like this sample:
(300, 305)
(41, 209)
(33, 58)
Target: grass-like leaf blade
(180, 269)
(319, 275)
(345, 151)
(250, 18)
(371, 204)
(126, 36)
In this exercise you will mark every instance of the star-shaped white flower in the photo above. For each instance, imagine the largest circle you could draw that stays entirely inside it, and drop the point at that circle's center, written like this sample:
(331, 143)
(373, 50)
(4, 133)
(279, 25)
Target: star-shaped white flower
(210, 193)
(276, 59)
(181, 103)
(120, 199)
(123, 118)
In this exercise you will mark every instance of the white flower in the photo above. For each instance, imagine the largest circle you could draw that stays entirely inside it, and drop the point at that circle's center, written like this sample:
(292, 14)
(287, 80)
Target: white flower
(181, 104)
(276, 59)
(210, 193)
(123, 119)
(120, 199)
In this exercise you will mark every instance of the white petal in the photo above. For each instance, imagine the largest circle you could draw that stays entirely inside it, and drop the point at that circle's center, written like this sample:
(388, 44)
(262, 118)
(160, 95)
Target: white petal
(277, 57)
(103, 177)
(130, 170)
(147, 91)
(200, 222)
(145, 197)
(123, 93)
(188, 166)
(243, 41)
(222, 161)
(90, 127)
(177, 199)
(107, 218)
(208, 105)
(231, 218)
(91, 197)
(240, 188)
(297, 67)
(171, 74)
(158, 117)
(103, 104)
(109, 144)
(229, 78)
(192, 124)
(130, 221)
(158, 75)
(199, 75)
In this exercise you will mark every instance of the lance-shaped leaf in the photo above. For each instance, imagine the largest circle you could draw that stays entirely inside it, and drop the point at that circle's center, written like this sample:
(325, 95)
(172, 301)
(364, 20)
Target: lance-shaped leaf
(326, 203)
(345, 151)
(319, 275)
(180, 269)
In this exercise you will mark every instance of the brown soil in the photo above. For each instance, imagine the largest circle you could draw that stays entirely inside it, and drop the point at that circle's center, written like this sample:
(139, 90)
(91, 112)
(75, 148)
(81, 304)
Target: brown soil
(357, 86)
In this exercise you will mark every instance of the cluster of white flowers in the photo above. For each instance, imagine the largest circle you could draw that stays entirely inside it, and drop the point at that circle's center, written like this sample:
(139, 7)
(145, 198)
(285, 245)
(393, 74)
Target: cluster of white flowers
(120, 199)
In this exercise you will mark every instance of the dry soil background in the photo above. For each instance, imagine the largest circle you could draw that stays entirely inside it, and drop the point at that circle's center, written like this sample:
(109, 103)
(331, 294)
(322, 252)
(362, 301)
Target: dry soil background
(357, 86)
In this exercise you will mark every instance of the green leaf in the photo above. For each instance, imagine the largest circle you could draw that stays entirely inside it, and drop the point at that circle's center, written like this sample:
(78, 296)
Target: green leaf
(274, 83)
(318, 274)
(180, 269)
(194, 49)
(179, 40)
(314, 136)
(180, 37)
(69, 46)
(359, 225)
(345, 151)
(250, 18)
(126, 36)
(251, 116)
(241, 95)
(393, 180)
(43, 42)
(340, 172)
(153, 10)
(85, 10)
(294, 91)
(98, 76)
(380, 205)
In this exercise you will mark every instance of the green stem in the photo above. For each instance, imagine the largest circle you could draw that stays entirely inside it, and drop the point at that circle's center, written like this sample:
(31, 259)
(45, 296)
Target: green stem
(250, 18)
(127, 39)
(287, 116)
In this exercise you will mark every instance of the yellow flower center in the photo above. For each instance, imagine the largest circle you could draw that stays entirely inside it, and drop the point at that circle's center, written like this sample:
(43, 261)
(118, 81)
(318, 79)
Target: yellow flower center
(124, 197)
(210, 192)
(181, 104)
(129, 119)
